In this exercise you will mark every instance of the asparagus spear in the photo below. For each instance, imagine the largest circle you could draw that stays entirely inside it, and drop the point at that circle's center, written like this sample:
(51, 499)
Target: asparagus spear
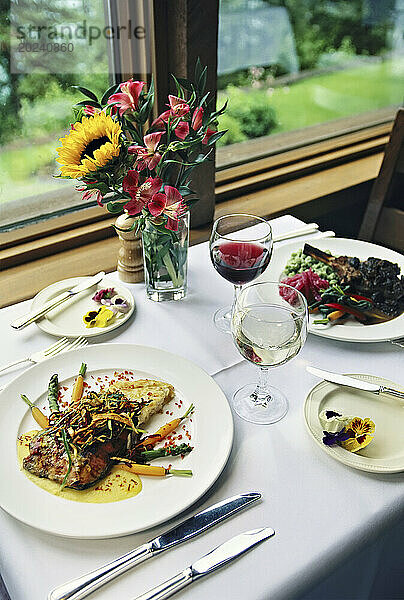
(147, 455)
(53, 389)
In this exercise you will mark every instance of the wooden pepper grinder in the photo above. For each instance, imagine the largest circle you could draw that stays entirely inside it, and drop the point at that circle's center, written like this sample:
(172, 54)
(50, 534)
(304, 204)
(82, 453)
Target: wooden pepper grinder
(130, 255)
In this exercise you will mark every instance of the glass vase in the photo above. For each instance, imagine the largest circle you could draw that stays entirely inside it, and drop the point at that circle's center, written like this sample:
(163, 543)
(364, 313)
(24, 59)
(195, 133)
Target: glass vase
(165, 255)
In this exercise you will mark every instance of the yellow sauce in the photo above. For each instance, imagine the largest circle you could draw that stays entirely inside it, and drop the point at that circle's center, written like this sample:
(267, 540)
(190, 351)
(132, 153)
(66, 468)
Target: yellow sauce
(117, 485)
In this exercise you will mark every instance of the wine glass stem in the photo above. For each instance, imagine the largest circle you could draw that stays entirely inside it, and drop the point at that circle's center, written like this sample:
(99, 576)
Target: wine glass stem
(261, 395)
(237, 290)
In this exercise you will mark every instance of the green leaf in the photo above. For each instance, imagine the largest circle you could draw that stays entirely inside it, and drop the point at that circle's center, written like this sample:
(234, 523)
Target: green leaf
(184, 190)
(86, 92)
(113, 89)
(202, 81)
(216, 136)
(198, 69)
(185, 83)
(179, 88)
(89, 103)
(115, 207)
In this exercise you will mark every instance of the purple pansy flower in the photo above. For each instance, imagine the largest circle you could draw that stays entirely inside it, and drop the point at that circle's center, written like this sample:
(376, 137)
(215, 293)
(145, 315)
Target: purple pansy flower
(330, 439)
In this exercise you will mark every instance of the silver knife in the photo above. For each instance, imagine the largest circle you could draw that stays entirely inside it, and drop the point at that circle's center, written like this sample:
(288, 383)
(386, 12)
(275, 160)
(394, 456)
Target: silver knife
(355, 383)
(83, 586)
(34, 315)
(215, 559)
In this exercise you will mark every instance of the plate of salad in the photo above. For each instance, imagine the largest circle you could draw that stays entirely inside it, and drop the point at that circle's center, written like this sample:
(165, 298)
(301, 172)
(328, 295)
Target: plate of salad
(354, 289)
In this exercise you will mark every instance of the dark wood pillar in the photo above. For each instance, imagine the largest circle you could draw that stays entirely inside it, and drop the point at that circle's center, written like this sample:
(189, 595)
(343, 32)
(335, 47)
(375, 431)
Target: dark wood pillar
(184, 30)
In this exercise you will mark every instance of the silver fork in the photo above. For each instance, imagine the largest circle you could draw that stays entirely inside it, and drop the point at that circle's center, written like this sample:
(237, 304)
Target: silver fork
(62, 345)
(399, 342)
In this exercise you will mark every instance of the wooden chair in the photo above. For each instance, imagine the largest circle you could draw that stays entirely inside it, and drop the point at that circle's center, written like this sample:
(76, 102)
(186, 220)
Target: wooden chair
(383, 220)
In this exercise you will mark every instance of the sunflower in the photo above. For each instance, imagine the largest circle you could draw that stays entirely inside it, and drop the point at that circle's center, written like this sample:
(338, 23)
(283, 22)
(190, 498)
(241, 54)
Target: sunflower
(90, 144)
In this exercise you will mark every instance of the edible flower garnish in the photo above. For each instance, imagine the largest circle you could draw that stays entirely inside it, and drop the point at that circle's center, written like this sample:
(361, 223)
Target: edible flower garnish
(103, 294)
(98, 318)
(360, 434)
(330, 439)
(116, 304)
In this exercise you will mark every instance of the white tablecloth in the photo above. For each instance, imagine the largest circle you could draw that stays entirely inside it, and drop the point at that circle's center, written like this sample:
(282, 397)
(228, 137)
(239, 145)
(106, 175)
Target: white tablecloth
(326, 516)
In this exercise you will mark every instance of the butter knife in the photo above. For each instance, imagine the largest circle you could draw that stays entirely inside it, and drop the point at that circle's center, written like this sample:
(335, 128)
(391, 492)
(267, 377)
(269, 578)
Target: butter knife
(215, 559)
(83, 586)
(34, 315)
(355, 383)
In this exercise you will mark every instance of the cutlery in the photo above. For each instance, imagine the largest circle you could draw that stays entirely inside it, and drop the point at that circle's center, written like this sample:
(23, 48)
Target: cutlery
(34, 315)
(309, 228)
(82, 586)
(62, 345)
(320, 236)
(355, 383)
(215, 559)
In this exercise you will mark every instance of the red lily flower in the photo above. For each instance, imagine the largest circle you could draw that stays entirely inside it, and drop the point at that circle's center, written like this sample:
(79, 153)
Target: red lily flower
(90, 110)
(182, 130)
(208, 135)
(94, 192)
(141, 195)
(129, 98)
(147, 155)
(170, 204)
(178, 108)
(197, 118)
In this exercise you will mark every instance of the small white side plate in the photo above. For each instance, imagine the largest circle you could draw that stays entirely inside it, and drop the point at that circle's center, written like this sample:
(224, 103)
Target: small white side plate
(385, 453)
(67, 319)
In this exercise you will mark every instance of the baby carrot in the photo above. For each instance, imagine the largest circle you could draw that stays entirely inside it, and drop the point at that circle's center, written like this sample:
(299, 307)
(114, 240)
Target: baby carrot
(165, 430)
(78, 386)
(38, 415)
(153, 470)
(335, 315)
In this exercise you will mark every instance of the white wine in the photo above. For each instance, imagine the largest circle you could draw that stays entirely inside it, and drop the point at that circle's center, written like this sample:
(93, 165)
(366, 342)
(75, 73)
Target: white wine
(268, 335)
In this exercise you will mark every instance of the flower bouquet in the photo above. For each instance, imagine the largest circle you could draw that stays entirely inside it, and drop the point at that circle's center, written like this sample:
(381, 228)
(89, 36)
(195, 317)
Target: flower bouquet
(142, 169)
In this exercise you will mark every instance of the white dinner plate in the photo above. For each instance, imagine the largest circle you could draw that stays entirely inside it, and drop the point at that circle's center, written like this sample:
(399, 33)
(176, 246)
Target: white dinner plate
(67, 319)
(351, 330)
(385, 453)
(161, 499)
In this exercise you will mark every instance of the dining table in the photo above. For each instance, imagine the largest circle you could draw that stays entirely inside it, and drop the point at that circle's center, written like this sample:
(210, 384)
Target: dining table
(339, 530)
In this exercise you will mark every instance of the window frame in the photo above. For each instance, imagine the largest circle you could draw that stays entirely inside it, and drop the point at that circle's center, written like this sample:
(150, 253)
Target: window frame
(280, 159)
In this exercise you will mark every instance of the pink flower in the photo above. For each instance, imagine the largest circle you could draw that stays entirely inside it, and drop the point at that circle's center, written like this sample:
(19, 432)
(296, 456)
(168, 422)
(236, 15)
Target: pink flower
(147, 155)
(160, 122)
(129, 98)
(90, 110)
(178, 107)
(197, 118)
(94, 192)
(141, 195)
(208, 135)
(170, 204)
(182, 130)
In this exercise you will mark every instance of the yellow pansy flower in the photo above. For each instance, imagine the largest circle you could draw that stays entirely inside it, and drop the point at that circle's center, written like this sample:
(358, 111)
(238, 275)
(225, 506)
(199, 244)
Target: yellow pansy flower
(360, 431)
(98, 318)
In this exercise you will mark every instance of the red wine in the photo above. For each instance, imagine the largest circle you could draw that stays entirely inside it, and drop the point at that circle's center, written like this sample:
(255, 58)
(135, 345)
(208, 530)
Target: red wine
(240, 262)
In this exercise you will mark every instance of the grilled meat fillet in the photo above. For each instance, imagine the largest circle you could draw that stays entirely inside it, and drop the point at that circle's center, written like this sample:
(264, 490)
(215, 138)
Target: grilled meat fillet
(346, 268)
(48, 458)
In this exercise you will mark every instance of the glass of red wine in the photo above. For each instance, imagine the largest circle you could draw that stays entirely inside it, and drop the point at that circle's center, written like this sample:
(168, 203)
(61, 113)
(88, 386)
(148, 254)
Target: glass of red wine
(240, 250)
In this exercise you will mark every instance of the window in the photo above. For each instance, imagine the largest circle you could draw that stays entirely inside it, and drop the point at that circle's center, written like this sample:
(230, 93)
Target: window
(315, 65)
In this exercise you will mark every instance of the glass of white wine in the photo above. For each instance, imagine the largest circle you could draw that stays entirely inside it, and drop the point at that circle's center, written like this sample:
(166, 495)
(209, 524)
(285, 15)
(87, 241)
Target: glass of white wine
(269, 327)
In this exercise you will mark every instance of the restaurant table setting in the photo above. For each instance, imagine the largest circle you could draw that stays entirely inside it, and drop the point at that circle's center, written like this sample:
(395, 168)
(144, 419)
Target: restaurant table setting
(315, 525)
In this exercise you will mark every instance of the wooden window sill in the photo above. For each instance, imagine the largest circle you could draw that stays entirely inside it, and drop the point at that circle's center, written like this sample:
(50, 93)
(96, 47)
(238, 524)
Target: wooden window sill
(24, 280)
